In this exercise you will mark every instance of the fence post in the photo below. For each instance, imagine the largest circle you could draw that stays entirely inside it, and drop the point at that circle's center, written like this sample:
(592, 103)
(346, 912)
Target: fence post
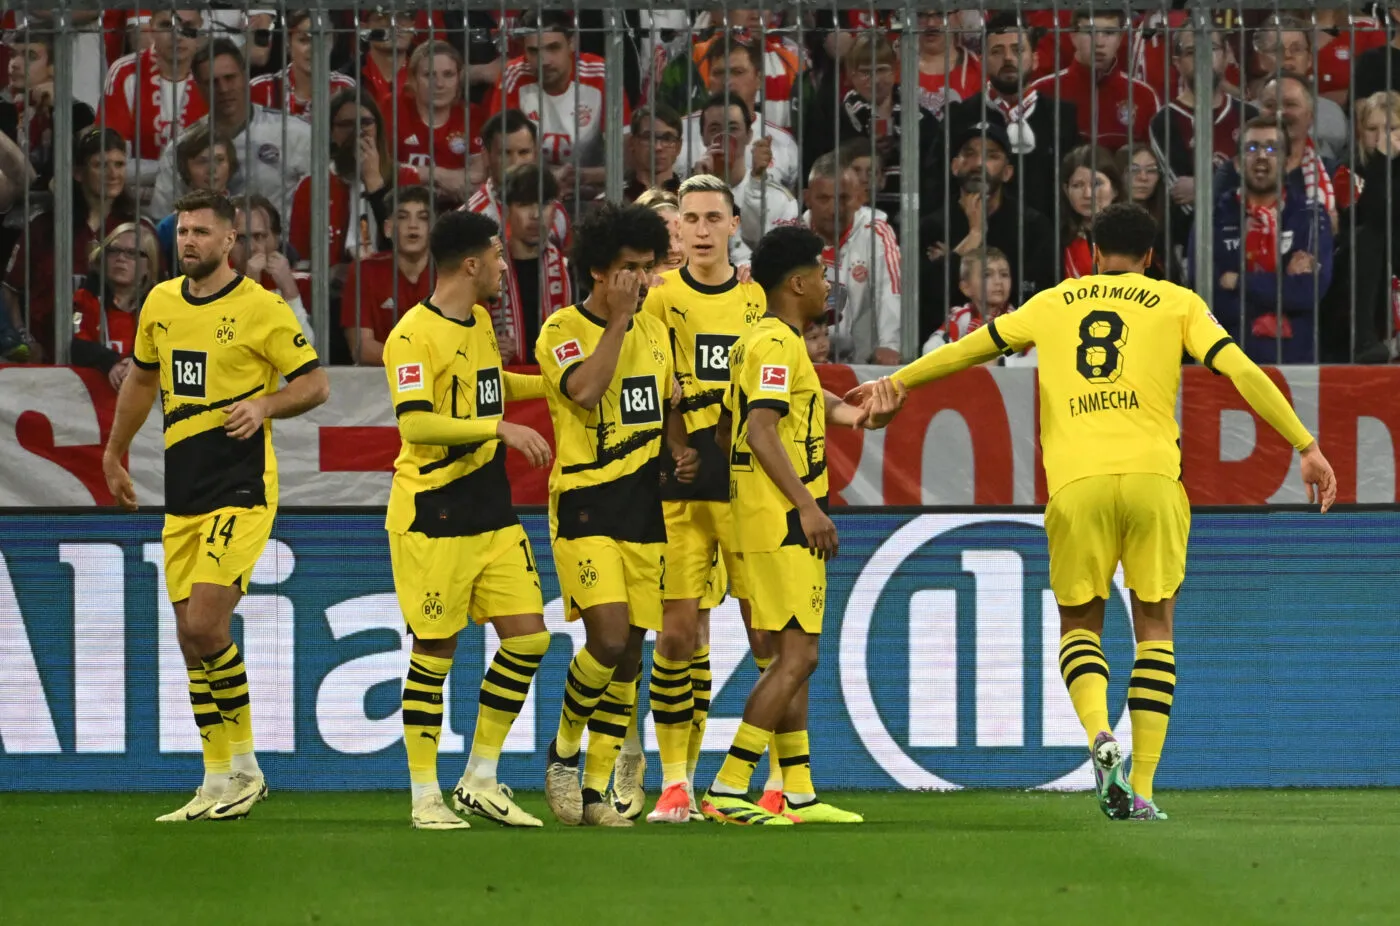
(909, 170)
(1202, 261)
(612, 102)
(321, 183)
(63, 186)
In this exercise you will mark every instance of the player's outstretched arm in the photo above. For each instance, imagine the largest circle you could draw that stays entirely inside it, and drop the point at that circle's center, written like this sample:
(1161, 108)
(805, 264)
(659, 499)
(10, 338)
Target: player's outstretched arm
(425, 427)
(977, 348)
(138, 394)
(1254, 385)
(767, 448)
(522, 386)
(301, 394)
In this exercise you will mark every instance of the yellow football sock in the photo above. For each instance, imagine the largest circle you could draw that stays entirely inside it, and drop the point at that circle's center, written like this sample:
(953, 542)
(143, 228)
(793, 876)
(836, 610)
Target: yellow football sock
(213, 740)
(422, 716)
(228, 685)
(606, 730)
(672, 710)
(795, 756)
(734, 774)
(1151, 691)
(588, 679)
(1085, 673)
(700, 679)
(504, 688)
(775, 770)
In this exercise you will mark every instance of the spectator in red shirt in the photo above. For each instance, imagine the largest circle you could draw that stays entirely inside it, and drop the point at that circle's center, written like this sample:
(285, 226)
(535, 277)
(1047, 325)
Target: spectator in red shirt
(27, 116)
(363, 177)
(947, 71)
(257, 253)
(390, 38)
(509, 139)
(380, 288)
(101, 202)
(434, 136)
(1111, 106)
(107, 306)
(523, 307)
(292, 90)
(1092, 183)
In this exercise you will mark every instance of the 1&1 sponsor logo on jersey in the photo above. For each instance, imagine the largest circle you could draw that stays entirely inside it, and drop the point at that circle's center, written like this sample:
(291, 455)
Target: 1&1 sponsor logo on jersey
(949, 658)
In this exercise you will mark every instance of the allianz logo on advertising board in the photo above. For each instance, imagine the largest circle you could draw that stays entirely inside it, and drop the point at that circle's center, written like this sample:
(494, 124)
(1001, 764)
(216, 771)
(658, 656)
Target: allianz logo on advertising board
(949, 658)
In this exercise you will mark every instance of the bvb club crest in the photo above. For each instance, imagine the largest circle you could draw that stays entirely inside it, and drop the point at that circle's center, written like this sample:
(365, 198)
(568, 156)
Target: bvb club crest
(587, 575)
(656, 354)
(752, 313)
(224, 334)
(432, 607)
(818, 599)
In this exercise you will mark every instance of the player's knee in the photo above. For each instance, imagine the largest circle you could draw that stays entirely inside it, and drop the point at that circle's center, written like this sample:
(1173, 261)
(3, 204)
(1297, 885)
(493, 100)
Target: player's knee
(438, 649)
(678, 638)
(608, 647)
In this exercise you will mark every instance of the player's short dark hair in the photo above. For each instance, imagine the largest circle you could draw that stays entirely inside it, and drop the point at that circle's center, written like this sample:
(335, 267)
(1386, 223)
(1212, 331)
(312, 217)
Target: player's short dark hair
(782, 252)
(506, 122)
(529, 185)
(1269, 122)
(220, 204)
(414, 194)
(546, 21)
(720, 50)
(721, 101)
(215, 49)
(458, 235)
(1125, 230)
(600, 237)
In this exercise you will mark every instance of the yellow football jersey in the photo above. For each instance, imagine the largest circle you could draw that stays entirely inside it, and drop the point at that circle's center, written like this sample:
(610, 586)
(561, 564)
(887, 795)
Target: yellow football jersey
(771, 369)
(213, 351)
(606, 480)
(703, 322)
(449, 367)
(1109, 348)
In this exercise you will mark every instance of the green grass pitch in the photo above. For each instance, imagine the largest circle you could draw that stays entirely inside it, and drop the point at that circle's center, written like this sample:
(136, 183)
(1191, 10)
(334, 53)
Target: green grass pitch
(1242, 857)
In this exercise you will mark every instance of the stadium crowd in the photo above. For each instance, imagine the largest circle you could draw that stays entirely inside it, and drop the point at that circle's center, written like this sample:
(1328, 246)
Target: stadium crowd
(1026, 130)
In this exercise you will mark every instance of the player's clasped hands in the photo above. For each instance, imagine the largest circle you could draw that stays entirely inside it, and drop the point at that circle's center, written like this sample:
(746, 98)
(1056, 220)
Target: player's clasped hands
(880, 400)
(527, 440)
(244, 419)
(687, 464)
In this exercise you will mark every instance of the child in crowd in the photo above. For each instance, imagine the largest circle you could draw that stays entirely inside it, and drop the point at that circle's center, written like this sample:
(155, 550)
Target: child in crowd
(986, 282)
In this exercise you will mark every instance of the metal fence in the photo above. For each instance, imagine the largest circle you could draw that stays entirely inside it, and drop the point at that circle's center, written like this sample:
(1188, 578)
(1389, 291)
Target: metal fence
(952, 156)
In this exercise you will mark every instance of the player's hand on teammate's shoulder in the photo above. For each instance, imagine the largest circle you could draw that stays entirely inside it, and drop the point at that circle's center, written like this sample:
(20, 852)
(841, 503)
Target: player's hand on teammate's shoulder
(244, 418)
(886, 399)
(527, 440)
(744, 273)
(687, 463)
(119, 482)
(819, 530)
(1318, 477)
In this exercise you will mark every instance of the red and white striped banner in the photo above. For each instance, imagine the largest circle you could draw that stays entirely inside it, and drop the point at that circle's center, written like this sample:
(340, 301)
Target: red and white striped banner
(970, 439)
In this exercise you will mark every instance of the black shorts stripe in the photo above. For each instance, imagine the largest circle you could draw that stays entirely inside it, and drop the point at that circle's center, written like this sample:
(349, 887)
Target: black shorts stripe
(422, 697)
(790, 761)
(672, 718)
(1147, 704)
(496, 702)
(1155, 665)
(422, 719)
(1208, 361)
(1151, 684)
(603, 728)
(1085, 669)
(502, 680)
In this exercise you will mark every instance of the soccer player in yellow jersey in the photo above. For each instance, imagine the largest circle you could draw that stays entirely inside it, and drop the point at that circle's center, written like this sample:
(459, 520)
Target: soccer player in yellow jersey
(456, 545)
(1110, 349)
(705, 309)
(778, 487)
(214, 345)
(608, 377)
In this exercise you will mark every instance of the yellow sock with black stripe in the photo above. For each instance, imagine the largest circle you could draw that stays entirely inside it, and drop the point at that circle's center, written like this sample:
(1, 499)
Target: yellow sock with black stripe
(228, 685)
(700, 681)
(606, 730)
(504, 688)
(775, 770)
(213, 740)
(795, 758)
(1085, 671)
(422, 719)
(588, 679)
(1151, 691)
(734, 774)
(672, 710)
(632, 742)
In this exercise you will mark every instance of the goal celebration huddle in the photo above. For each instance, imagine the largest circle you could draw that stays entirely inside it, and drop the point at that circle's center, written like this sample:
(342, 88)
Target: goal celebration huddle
(688, 462)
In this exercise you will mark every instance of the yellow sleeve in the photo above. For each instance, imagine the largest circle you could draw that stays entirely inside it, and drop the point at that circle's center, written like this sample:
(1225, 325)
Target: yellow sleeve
(283, 342)
(425, 427)
(968, 351)
(769, 371)
(1204, 338)
(521, 386)
(558, 351)
(144, 353)
(409, 366)
(1262, 395)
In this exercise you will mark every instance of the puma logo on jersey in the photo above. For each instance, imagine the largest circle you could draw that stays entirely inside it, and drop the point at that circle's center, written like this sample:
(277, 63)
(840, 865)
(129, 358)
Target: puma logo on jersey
(404, 337)
(163, 327)
(681, 312)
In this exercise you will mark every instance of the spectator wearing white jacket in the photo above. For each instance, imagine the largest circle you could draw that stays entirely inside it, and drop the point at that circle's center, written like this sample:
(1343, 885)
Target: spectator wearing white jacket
(862, 261)
(762, 202)
(274, 151)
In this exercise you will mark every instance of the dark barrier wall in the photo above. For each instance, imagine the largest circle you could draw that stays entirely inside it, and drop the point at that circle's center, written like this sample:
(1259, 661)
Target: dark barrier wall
(938, 658)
